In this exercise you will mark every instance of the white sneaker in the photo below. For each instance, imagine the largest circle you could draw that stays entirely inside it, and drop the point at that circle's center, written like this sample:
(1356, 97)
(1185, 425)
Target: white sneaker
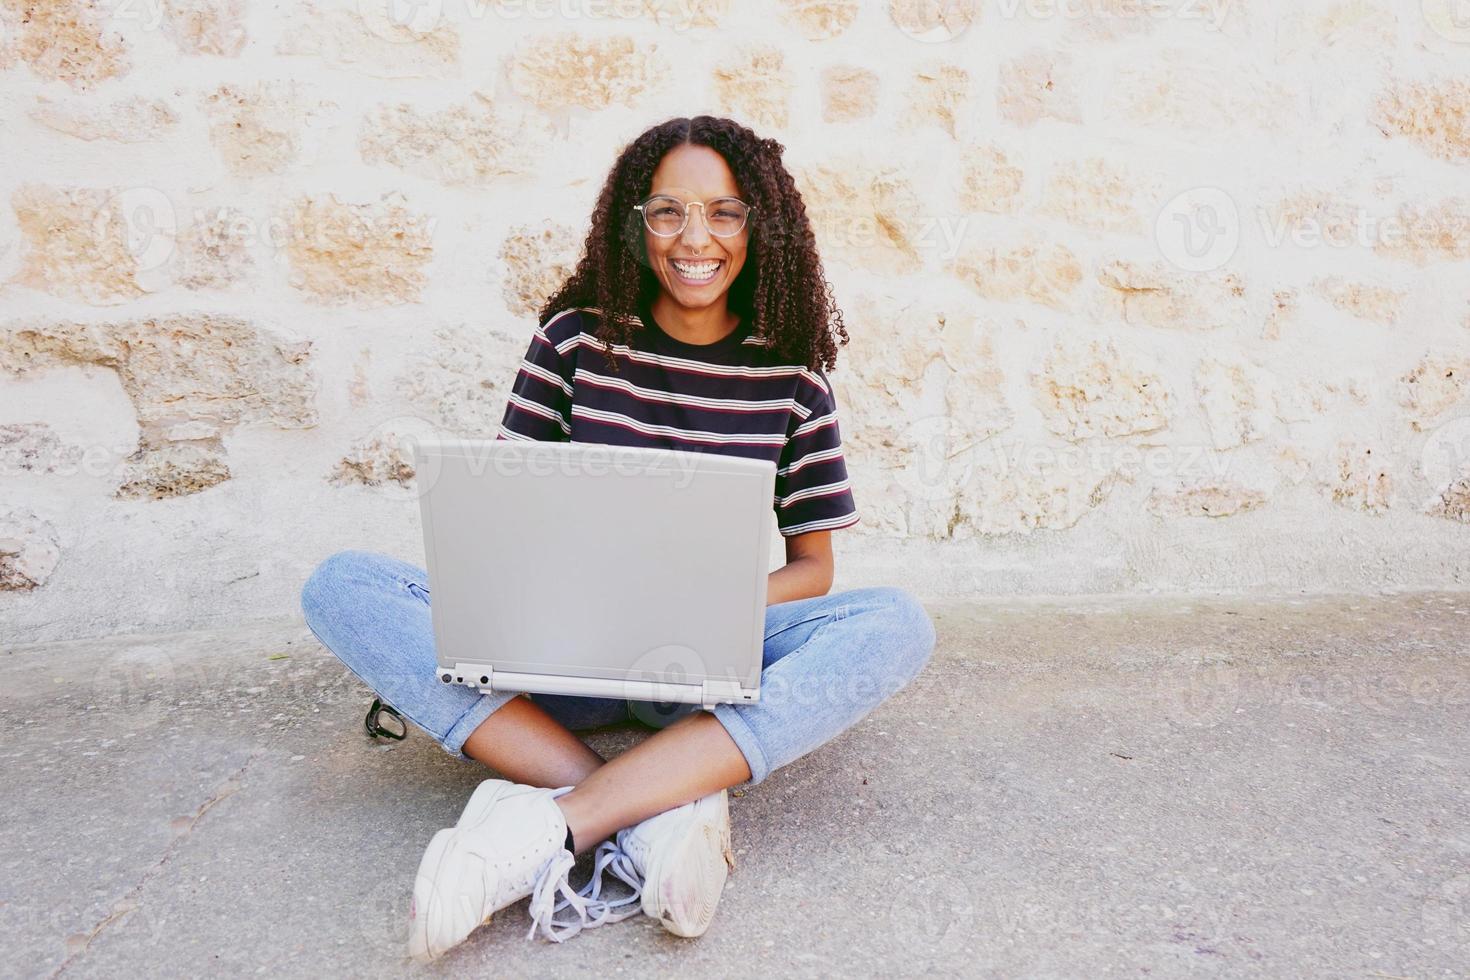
(509, 843)
(677, 861)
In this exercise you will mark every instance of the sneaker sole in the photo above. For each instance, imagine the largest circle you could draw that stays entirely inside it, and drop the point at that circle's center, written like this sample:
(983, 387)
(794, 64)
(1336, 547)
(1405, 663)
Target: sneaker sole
(426, 899)
(703, 857)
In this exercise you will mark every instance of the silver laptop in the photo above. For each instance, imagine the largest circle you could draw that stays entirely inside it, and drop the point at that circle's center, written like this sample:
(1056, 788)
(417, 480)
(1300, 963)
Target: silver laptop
(605, 571)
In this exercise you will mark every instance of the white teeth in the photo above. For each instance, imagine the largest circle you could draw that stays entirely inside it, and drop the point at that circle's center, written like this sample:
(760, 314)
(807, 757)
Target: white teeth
(700, 270)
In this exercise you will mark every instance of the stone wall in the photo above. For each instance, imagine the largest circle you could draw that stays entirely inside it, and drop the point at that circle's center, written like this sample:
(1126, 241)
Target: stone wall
(1144, 295)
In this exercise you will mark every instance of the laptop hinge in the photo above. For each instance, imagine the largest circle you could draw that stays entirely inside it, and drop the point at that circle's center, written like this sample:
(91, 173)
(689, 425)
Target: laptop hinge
(715, 692)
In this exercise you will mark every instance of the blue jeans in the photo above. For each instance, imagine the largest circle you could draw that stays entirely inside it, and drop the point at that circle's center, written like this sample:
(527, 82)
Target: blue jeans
(829, 661)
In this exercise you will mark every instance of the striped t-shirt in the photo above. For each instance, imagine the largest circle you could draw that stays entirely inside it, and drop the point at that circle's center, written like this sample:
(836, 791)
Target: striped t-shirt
(732, 396)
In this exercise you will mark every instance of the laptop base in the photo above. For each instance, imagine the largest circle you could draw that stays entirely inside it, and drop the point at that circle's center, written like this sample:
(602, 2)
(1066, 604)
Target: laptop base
(706, 694)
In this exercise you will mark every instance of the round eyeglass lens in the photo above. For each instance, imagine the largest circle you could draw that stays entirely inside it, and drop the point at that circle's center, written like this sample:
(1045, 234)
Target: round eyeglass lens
(665, 215)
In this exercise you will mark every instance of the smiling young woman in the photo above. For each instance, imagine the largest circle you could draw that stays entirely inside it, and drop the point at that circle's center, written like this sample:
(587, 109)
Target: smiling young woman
(698, 319)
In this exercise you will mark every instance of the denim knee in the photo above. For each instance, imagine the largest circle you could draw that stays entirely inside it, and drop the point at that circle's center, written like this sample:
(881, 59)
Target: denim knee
(329, 578)
(875, 642)
(910, 627)
(367, 609)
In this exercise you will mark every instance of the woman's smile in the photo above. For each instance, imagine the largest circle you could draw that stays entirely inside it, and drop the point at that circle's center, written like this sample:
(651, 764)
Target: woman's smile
(696, 272)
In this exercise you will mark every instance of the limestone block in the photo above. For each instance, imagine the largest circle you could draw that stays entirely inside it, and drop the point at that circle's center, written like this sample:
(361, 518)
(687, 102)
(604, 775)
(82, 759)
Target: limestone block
(684, 15)
(1366, 301)
(1091, 389)
(1352, 28)
(565, 70)
(362, 254)
(1033, 272)
(64, 40)
(476, 142)
(870, 218)
(1425, 233)
(1431, 386)
(1205, 499)
(461, 378)
(33, 447)
(214, 249)
(214, 27)
(1043, 495)
(1284, 306)
(848, 93)
(1236, 397)
(378, 460)
(988, 181)
(1190, 94)
(931, 21)
(939, 95)
(190, 379)
(535, 261)
(1099, 195)
(1360, 479)
(260, 128)
(1157, 295)
(129, 120)
(974, 393)
(366, 38)
(1039, 84)
(819, 20)
(1305, 399)
(1452, 501)
(1311, 217)
(755, 86)
(173, 469)
(1113, 20)
(29, 550)
(77, 244)
(1433, 114)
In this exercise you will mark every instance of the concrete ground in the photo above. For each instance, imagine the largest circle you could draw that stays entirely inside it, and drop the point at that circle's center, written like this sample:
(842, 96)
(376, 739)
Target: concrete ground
(1091, 788)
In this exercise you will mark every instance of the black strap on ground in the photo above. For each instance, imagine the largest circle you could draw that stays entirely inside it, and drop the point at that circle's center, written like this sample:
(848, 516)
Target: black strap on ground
(374, 729)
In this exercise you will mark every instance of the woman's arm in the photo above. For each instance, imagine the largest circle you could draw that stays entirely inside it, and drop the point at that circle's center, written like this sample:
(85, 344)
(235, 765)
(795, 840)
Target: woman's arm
(808, 568)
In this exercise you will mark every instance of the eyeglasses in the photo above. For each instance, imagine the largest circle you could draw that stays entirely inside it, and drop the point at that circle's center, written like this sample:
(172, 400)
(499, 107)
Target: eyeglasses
(667, 216)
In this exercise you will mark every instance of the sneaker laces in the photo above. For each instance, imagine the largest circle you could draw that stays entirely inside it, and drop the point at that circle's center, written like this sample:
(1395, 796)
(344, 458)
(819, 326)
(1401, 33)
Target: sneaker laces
(612, 858)
(553, 878)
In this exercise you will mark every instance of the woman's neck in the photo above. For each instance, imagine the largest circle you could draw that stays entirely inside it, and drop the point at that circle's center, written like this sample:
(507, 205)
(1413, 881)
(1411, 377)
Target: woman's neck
(703, 326)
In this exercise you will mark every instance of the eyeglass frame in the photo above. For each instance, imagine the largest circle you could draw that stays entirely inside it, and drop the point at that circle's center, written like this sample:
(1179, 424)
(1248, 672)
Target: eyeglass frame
(702, 211)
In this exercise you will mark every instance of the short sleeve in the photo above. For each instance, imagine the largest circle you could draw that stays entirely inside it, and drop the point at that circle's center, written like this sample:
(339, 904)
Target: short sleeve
(540, 402)
(812, 490)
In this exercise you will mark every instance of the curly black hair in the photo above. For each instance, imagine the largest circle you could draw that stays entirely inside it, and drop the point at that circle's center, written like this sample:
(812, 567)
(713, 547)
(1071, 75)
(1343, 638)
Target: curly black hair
(781, 290)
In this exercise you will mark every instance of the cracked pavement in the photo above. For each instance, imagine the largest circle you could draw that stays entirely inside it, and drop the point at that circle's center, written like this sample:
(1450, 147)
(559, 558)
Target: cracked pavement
(1083, 787)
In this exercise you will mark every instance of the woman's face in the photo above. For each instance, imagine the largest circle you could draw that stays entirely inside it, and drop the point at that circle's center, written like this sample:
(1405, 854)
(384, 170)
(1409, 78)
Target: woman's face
(695, 173)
